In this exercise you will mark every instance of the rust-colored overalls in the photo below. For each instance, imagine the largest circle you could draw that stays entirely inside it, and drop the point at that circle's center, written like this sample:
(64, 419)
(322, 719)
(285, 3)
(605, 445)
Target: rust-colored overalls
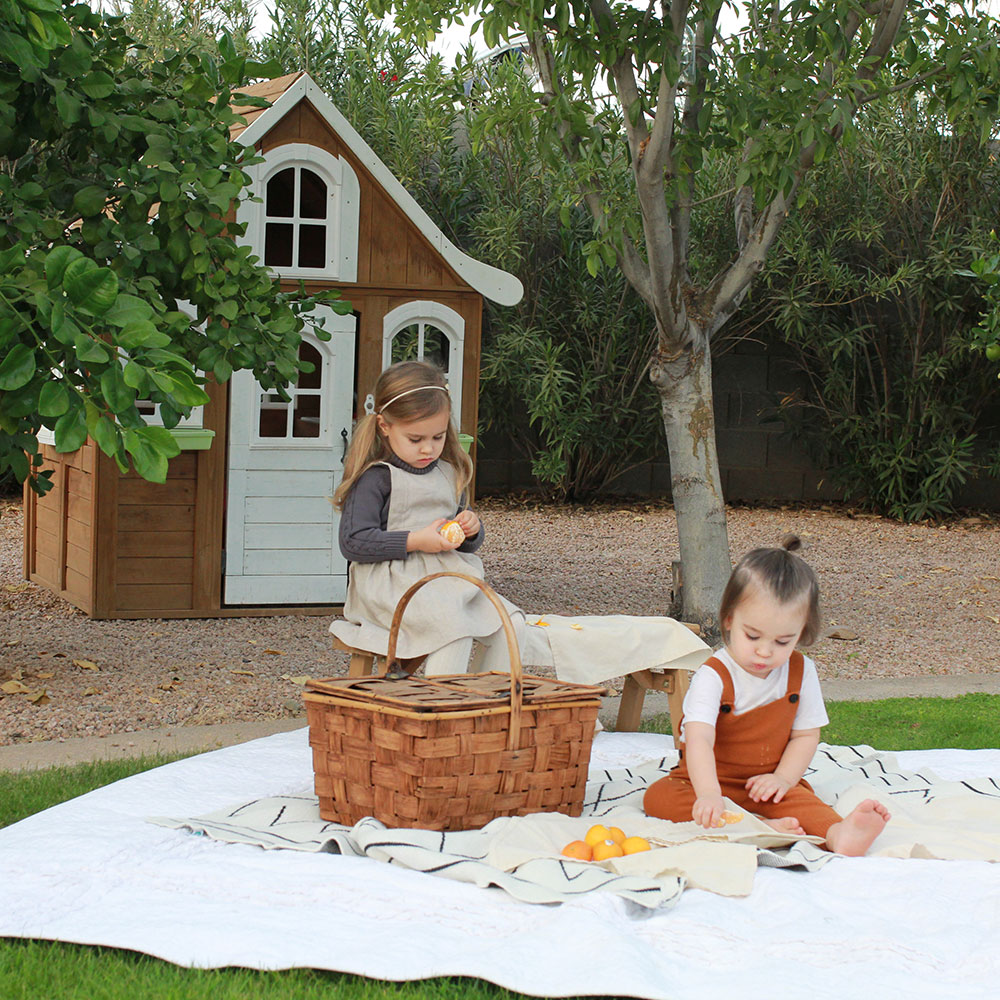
(746, 744)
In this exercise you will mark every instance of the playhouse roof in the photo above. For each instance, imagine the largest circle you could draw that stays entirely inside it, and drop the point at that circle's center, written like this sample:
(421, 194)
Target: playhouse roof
(285, 92)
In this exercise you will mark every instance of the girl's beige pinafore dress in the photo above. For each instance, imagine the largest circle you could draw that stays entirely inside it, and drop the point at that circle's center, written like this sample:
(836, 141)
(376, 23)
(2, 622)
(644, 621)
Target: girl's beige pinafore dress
(441, 611)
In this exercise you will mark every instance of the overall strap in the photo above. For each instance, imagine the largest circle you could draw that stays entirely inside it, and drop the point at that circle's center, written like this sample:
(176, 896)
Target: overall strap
(728, 691)
(796, 668)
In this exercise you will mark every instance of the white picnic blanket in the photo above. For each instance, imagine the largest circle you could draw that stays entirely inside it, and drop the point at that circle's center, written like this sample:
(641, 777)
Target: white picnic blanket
(94, 871)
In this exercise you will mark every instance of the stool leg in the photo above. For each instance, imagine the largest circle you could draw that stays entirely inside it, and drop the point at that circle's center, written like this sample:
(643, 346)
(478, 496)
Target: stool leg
(362, 664)
(630, 709)
(680, 681)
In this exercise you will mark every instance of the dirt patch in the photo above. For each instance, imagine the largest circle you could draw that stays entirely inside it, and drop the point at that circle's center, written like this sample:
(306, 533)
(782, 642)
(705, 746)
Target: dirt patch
(921, 599)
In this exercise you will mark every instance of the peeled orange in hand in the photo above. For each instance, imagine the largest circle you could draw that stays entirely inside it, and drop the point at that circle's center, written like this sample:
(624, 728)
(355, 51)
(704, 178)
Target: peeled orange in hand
(607, 849)
(579, 850)
(633, 845)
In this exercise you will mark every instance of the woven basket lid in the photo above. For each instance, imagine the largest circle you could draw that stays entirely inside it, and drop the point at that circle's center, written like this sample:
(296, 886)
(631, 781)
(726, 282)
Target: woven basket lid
(454, 692)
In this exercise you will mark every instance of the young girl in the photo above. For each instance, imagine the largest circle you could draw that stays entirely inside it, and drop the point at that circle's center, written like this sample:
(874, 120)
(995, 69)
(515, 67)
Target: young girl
(405, 476)
(753, 713)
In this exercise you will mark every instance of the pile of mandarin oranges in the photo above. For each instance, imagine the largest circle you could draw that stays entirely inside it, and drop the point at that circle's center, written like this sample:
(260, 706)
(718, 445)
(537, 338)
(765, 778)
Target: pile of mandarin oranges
(603, 842)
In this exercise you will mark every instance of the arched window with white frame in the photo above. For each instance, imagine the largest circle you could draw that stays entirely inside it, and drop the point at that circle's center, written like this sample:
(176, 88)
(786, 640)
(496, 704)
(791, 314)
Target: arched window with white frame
(427, 331)
(306, 224)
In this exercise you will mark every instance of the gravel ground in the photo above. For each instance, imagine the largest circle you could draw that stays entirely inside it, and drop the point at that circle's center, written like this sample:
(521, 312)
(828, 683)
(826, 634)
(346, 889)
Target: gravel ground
(921, 600)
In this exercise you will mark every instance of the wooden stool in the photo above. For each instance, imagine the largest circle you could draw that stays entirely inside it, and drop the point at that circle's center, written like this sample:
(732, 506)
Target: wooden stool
(362, 661)
(673, 680)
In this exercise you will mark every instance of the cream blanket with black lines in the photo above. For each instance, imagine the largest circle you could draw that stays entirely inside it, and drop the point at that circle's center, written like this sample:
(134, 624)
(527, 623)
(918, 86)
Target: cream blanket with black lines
(521, 855)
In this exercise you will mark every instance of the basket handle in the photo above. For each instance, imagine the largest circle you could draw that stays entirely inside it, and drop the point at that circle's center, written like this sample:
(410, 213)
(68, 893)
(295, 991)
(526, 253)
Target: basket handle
(516, 686)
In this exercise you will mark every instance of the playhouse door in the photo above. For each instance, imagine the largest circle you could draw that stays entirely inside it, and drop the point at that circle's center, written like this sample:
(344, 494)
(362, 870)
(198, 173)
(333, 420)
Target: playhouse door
(285, 459)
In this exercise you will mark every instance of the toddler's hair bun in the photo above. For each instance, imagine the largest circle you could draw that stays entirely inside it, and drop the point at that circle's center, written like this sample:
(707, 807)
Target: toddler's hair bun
(791, 542)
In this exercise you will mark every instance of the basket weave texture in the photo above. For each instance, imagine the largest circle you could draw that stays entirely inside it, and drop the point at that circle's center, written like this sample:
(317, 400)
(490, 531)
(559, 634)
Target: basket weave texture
(450, 753)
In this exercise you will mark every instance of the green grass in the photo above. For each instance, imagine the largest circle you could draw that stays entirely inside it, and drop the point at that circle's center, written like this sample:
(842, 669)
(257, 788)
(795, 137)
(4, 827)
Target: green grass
(968, 722)
(42, 970)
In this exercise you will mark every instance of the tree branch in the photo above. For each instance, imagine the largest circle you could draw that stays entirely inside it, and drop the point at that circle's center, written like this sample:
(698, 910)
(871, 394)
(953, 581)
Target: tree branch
(631, 263)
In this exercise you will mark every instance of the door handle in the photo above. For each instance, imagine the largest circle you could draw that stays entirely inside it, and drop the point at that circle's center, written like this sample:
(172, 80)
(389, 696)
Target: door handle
(343, 454)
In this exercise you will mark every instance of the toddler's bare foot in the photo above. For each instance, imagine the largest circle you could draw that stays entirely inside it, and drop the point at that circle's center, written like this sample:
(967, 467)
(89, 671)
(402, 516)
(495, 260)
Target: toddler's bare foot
(854, 834)
(786, 824)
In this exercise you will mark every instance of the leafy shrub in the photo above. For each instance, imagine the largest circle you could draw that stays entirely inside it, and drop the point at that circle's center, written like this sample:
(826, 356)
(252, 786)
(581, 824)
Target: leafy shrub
(867, 291)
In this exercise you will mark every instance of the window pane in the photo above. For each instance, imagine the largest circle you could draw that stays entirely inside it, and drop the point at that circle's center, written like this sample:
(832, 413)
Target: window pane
(280, 201)
(273, 416)
(314, 379)
(312, 246)
(312, 196)
(405, 344)
(278, 244)
(306, 422)
(436, 347)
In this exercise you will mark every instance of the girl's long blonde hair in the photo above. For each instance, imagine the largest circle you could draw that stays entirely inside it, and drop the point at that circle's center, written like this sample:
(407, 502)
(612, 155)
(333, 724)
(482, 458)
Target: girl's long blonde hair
(412, 390)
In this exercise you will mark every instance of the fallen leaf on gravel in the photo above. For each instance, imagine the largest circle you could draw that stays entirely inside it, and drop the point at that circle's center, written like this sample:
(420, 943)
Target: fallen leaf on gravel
(63, 655)
(304, 679)
(39, 697)
(244, 673)
(16, 588)
(44, 674)
(994, 618)
(86, 664)
(943, 569)
(155, 701)
(841, 633)
(13, 687)
(274, 652)
(169, 685)
(90, 691)
(12, 642)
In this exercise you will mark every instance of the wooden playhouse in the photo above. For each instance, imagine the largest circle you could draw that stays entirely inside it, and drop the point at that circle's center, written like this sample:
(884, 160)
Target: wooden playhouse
(243, 524)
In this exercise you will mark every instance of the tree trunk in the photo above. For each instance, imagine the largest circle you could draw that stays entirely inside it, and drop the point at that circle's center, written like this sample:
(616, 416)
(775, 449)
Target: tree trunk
(685, 386)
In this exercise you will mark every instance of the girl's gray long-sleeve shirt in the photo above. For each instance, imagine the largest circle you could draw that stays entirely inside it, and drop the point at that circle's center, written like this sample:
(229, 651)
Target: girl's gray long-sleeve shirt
(363, 535)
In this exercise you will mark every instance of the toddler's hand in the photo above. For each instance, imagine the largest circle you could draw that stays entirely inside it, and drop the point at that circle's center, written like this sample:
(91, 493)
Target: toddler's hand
(469, 521)
(707, 810)
(762, 787)
(429, 539)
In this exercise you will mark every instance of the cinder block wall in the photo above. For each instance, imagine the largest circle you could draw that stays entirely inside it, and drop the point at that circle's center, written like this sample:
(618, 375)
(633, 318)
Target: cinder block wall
(757, 461)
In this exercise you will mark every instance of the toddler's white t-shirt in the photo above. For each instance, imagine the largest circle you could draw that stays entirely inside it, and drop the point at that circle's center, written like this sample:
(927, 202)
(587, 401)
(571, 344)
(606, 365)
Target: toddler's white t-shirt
(701, 703)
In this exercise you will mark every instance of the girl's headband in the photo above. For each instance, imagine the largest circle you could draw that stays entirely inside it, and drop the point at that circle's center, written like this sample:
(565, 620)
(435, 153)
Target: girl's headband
(418, 388)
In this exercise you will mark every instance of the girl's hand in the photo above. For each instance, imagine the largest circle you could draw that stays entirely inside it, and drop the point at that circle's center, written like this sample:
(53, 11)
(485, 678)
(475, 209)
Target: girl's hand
(762, 787)
(469, 522)
(707, 810)
(429, 539)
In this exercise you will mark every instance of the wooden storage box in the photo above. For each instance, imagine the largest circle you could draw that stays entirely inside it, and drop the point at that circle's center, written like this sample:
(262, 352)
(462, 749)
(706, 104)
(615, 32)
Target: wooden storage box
(450, 753)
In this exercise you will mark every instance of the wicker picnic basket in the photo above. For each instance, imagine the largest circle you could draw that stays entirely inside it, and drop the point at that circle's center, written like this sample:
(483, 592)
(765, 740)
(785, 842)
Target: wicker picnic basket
(451, 752)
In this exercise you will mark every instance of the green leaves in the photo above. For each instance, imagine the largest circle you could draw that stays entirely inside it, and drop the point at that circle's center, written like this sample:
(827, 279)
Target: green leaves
(18, 368)
(92, 278)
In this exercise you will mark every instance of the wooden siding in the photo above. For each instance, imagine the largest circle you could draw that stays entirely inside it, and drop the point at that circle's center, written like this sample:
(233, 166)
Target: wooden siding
(59, 527)
(167, 556)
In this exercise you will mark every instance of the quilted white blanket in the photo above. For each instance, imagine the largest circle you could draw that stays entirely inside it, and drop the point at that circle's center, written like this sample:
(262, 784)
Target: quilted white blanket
(94, 871)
